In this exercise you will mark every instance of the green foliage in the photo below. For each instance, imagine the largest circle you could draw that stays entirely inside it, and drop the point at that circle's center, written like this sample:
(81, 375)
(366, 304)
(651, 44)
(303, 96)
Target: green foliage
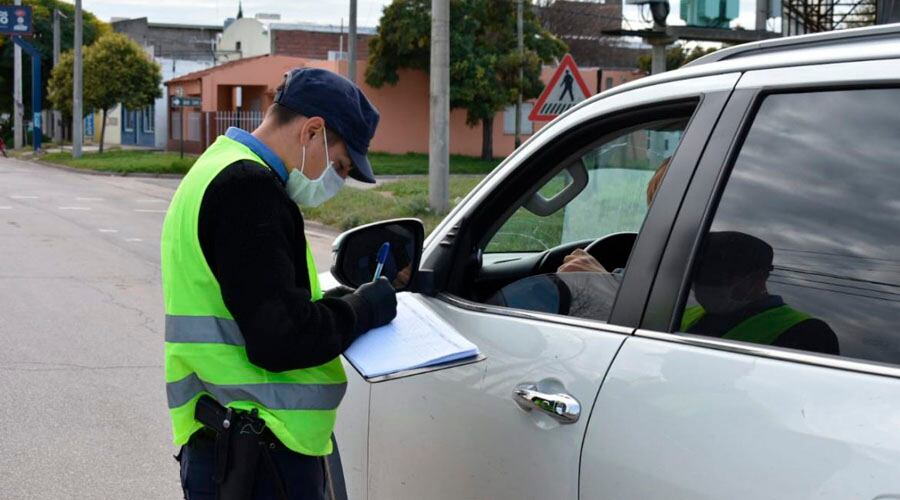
(116, 70)
(406, 198)
(676, 57)
(59, 88)
(484, 58)
(417, 163)
(43, 42)
(125, 162)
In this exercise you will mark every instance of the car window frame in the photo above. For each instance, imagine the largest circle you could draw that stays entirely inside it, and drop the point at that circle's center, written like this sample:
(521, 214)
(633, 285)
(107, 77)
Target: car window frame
(708, 105)
(671, 288)
(485, 239)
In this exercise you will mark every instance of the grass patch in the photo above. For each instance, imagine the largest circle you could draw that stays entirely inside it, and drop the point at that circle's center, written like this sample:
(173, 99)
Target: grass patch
(417, 164)
(169, 163)
(126, 161)
(406, 198)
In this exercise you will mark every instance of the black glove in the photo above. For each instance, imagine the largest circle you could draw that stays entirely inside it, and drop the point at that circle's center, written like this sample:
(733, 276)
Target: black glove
(382, 300)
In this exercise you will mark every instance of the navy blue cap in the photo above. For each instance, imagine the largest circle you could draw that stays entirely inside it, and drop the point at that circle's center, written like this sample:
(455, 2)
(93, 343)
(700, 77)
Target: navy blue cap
(343, 106)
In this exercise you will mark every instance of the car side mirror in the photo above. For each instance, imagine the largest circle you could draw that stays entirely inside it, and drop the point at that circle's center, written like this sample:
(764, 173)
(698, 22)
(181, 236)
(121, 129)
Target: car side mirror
(356, 252)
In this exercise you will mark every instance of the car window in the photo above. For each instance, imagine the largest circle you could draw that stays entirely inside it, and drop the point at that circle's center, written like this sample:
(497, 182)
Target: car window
(804, 248)
(618, 178)
(613, 201)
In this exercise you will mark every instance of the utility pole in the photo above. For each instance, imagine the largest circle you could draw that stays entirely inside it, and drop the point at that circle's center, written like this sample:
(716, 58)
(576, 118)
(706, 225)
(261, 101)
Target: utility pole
(18, 107)
(439, 131)
(521, 72)
(77, 114)
(351, 44)
(57, 116)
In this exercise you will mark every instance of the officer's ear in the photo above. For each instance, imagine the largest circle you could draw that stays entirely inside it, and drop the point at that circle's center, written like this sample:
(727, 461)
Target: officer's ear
(312, 126)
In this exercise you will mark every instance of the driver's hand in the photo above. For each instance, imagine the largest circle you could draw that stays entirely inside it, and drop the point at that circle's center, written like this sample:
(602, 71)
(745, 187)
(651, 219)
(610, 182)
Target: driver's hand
(580, 261)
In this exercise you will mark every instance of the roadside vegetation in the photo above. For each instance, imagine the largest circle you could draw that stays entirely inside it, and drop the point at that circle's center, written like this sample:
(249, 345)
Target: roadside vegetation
(404, 198)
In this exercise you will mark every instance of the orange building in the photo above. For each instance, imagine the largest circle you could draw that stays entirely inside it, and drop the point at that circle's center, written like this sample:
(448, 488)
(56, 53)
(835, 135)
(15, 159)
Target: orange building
(238, 93)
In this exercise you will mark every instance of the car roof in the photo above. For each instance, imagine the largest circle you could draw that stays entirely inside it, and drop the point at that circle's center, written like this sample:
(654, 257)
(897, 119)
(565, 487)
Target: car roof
(858, 44)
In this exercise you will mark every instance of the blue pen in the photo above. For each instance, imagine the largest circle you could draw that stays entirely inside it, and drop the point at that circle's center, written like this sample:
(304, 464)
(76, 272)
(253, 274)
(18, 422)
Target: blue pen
(382, 257)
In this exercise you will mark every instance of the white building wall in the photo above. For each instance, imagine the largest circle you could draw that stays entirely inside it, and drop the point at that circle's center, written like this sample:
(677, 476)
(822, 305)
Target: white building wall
(253, 36)
(171, 68)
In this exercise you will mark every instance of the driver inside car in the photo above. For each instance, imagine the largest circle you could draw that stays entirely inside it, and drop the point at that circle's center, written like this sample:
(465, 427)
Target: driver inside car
(581, 261)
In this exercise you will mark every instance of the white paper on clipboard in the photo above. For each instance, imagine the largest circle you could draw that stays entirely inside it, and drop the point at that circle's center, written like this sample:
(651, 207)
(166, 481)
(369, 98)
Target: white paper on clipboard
(416, 338)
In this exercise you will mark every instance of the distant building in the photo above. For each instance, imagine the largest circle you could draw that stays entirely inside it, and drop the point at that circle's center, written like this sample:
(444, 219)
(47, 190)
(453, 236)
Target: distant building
(318, 41)
(185, 42)
(245, 37)
(178, 49)
(238, 93)
(580, 24)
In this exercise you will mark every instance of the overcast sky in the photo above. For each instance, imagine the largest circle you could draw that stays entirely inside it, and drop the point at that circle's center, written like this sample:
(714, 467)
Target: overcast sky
(214, 12)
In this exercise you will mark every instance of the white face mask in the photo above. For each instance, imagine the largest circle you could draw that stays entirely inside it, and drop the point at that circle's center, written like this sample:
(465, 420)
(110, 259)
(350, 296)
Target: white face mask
(312, 193)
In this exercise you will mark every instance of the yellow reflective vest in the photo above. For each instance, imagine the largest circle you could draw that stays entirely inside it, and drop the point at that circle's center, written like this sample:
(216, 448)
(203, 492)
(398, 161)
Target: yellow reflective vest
(205, 351)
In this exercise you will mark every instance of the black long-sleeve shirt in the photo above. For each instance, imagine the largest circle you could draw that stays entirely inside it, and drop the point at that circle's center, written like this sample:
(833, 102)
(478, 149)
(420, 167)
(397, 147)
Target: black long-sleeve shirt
(251, 234)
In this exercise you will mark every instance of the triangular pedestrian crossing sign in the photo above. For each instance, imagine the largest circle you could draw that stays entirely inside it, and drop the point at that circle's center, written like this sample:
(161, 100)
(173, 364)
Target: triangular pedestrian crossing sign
(565, 90)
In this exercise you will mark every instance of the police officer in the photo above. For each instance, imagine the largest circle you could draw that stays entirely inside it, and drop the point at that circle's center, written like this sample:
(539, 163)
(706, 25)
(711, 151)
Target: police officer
(735, 304)
(253, 377)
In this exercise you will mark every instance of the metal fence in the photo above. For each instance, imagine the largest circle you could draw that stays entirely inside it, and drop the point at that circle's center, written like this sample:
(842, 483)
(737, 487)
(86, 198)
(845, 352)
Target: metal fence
(202, 128)
(247, 120)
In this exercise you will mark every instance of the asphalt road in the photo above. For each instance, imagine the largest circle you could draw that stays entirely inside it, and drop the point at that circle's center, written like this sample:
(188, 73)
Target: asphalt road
(82, 396)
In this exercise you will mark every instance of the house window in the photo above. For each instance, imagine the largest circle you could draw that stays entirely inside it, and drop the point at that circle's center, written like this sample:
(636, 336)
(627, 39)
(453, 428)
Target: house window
(129, 120)
(237, 46)
(609, 83)
(509, 119)
(148, 117)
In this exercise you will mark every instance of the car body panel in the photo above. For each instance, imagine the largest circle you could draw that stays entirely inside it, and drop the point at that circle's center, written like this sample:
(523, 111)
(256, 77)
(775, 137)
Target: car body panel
(458, 433)
(698, 423)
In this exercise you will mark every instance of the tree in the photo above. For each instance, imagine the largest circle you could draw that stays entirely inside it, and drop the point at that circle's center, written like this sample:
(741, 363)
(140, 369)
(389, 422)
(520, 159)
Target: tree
(676, 57)
(484, 58)
(42, 40)
(116, 70)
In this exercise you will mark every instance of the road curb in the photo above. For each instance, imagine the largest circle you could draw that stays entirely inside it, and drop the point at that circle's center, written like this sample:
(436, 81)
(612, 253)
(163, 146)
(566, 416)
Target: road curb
(88, 171)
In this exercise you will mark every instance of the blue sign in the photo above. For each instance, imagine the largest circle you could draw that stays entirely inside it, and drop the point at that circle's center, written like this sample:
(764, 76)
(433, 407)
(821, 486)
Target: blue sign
(89, 125)
(15, 19)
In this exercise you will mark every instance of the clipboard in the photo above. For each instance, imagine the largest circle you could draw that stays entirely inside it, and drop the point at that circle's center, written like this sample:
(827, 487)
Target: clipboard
(417, 341)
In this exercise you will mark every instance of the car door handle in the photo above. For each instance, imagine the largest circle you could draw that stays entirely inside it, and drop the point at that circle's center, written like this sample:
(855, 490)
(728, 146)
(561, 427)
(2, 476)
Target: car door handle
(560, 406)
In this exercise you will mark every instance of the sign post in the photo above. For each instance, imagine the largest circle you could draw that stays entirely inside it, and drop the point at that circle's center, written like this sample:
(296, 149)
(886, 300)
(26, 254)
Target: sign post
(180, 102)
(16, 21)
(565, 90)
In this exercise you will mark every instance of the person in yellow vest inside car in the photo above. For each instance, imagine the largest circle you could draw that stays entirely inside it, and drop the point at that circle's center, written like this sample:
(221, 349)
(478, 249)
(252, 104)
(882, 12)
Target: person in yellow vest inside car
(253, 374)
(735, 304)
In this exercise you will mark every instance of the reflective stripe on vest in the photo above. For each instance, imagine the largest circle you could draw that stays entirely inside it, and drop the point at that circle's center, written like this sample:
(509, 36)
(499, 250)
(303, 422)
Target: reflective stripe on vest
(761, 328)
(205, 351)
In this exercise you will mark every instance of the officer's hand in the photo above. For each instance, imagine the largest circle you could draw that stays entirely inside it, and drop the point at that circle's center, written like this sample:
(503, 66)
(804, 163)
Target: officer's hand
(382, 301)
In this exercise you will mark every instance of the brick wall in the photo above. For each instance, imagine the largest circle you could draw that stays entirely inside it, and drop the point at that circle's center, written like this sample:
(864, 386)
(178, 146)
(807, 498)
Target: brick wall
(314, 45)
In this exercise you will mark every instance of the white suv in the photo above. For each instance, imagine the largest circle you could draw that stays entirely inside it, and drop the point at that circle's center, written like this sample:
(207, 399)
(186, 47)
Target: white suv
(742, 337)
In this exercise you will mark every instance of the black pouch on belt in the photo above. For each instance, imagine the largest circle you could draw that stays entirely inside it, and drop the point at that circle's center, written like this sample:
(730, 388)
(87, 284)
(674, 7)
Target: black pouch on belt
(241, 441)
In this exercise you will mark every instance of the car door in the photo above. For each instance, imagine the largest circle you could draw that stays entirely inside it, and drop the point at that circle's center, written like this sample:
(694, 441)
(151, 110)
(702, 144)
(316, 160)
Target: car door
(795, 207)
(463, 432)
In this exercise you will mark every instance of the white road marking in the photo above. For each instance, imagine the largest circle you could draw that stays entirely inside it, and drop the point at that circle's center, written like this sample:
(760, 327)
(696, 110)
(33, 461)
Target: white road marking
(89, 199)
(149, 211)
(74, 208)
(108, 230)
(133, 239)
(5, 207)
(23, 197)
(151, 200)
